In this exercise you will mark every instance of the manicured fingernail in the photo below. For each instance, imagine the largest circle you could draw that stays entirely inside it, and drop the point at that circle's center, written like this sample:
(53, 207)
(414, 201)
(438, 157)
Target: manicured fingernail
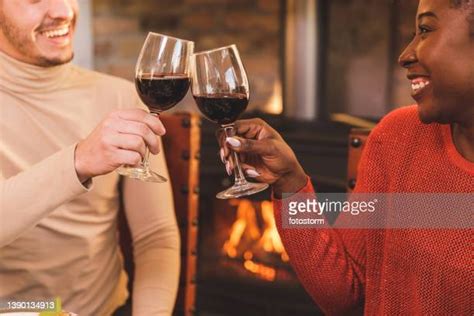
(252, 173)
(221, 153)
(227, 168)
(234, 142)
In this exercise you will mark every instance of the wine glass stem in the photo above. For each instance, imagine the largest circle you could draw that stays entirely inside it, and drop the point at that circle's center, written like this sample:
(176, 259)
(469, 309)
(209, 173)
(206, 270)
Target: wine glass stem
(238, 173)
(145, 161)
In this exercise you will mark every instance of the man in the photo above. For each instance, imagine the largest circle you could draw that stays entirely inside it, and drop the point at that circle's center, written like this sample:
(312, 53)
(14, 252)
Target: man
(424, 148)
(64, 130)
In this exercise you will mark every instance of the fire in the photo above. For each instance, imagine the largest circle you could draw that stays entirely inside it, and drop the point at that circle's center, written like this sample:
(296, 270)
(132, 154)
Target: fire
(264, 271)
(271, 241)
(267, 239)
(246, 222)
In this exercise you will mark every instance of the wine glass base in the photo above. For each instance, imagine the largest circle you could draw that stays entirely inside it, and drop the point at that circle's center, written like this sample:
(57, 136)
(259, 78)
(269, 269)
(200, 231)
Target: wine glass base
(141, 173)
(237, 191)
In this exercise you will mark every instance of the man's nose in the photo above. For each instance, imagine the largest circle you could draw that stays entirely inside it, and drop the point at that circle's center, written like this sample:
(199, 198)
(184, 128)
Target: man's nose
(61, 9)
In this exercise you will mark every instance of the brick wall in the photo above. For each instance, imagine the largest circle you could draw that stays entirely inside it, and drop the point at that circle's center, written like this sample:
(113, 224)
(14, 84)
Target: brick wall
(362, 75)
(120, 27)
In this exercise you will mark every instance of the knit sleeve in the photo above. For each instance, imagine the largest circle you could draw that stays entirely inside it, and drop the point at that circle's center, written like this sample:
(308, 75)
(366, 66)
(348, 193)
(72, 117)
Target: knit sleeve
(149, 209)
(31, 195)
(328, 262)
(150, 214)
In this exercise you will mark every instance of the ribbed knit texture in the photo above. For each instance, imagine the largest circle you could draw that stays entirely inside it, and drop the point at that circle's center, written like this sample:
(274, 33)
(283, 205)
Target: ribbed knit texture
(393, 272)
(58, 238)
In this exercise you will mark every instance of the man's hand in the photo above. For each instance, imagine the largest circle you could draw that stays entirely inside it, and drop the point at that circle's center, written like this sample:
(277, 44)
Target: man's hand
(265, 156)
(120, 139)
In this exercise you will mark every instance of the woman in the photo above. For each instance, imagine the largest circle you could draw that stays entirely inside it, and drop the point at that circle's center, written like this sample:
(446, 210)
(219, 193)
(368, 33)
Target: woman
(428, 148)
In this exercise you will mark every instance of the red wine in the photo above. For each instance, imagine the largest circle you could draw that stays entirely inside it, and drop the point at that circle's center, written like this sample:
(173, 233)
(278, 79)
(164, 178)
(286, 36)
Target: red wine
(222, 108)
(162, 92)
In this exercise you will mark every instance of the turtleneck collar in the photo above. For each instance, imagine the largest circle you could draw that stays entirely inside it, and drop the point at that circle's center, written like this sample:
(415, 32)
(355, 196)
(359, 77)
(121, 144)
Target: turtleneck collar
(17, 76)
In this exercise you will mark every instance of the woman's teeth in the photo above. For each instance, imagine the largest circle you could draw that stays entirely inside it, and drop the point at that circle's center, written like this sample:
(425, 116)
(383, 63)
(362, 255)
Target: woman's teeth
(56, 33)
(417, 86)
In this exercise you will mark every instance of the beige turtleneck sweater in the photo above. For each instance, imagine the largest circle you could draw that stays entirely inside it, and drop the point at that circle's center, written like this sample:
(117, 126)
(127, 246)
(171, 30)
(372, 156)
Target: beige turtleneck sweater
(57, 237)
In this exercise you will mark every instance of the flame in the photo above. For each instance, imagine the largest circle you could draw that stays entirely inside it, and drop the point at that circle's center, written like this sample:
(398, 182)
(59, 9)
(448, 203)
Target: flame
(246, 221)
(261, 270)
(269, 240)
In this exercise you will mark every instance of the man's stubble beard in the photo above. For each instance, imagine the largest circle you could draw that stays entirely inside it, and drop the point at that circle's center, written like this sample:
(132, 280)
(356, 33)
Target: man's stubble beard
(25, 45)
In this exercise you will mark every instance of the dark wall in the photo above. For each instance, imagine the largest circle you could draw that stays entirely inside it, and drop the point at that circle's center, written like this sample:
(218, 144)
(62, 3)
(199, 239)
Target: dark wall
(364, 40)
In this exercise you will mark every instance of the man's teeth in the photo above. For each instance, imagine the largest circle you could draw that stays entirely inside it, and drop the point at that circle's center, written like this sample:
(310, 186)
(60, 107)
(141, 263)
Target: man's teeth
(56, 33)
(420, 85)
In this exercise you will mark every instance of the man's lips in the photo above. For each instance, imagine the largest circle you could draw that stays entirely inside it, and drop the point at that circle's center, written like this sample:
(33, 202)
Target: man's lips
(58, 35)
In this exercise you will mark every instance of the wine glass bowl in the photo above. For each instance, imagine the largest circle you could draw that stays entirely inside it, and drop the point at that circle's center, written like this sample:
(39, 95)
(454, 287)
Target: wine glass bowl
(161, 92)
(221, 91)
(222, 108)
(162, 80)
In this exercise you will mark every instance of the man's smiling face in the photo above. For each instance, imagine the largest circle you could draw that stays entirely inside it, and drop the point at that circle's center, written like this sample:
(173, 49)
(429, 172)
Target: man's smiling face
(38, 32)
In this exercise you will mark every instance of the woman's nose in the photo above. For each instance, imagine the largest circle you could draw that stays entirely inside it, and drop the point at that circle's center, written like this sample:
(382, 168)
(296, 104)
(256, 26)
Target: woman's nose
(408, 56)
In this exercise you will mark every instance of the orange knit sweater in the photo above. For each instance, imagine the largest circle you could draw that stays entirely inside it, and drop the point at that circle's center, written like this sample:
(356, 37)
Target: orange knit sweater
(393, 272)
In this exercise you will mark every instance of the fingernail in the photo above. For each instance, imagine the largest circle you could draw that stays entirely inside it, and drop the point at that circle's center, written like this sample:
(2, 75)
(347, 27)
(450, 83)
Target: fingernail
(234, 142)
(227, 168)
(252, 173)
(221, 152)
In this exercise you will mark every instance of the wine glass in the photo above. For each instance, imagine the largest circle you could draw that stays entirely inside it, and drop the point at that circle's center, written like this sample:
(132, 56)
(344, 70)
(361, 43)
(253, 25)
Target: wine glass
(162, 80)
(221, 91)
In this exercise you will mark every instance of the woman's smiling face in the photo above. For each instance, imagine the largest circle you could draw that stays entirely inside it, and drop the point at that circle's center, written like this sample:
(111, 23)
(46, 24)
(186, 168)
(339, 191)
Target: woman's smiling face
(440, 63)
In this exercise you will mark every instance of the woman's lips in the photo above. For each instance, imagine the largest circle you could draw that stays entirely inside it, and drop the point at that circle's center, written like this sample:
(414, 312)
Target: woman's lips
(418, 86)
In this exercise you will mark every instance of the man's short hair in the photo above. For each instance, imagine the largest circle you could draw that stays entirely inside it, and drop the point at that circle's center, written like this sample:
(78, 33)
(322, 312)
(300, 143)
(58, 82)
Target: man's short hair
(466, 5)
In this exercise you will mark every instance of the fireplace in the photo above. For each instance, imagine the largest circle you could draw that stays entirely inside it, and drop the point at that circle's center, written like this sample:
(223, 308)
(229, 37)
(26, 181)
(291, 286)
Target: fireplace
(243, 268)
(246, 243)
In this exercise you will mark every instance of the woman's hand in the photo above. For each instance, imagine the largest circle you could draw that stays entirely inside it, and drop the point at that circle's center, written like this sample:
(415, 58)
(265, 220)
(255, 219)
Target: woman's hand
(264, 155)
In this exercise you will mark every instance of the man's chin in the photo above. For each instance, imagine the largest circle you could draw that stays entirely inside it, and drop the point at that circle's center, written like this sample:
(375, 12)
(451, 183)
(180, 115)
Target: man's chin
(44, 61)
